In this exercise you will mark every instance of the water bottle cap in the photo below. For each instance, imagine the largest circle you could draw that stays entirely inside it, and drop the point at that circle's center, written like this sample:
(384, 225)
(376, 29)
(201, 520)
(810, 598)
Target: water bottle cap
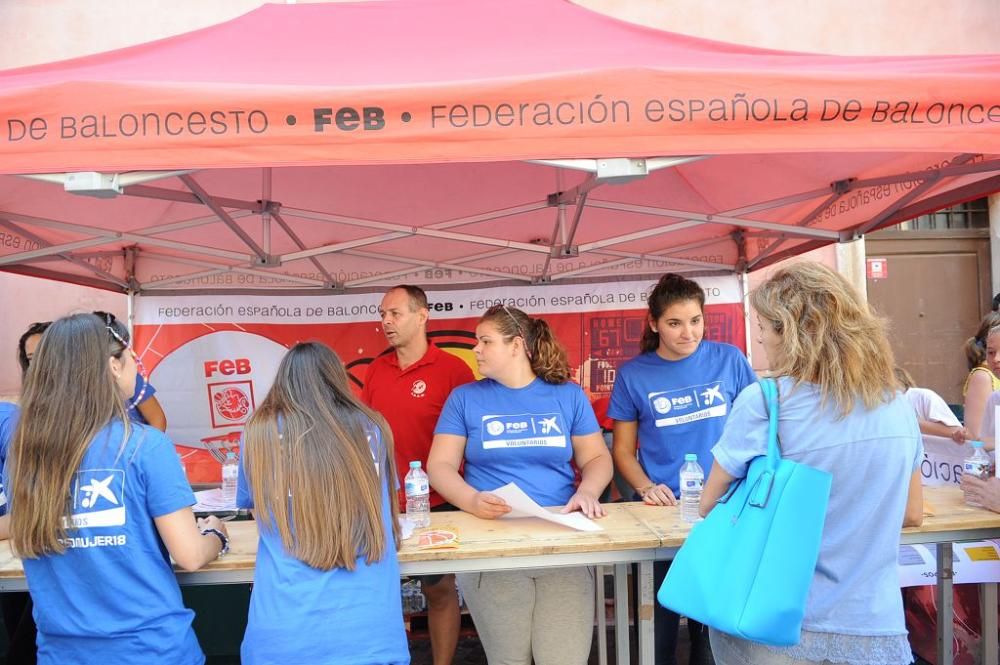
(230, 455)
(415, 464)
(977, 444)
(690, 457)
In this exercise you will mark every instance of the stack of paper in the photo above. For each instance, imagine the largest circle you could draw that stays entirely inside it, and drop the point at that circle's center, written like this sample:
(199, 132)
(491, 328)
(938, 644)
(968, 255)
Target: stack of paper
(211, 501)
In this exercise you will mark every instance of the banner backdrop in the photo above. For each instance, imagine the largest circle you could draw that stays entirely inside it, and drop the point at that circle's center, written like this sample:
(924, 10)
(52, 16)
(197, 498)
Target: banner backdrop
(213, 358)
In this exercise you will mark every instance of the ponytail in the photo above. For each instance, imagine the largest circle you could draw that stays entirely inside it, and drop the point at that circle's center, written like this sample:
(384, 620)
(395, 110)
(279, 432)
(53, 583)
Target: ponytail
(548, 357)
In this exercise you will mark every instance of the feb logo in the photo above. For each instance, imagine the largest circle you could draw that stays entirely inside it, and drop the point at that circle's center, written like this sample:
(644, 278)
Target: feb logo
(230, 402)
(662, 405)
(418, 388)
(494, 427)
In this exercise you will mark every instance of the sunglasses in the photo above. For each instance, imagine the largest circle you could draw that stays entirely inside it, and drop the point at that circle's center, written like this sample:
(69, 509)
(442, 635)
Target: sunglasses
(140, 368)
(496, 309)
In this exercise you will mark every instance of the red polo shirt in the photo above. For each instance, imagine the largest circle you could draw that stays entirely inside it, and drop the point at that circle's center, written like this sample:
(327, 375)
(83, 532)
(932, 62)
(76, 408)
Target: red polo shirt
(411, 400)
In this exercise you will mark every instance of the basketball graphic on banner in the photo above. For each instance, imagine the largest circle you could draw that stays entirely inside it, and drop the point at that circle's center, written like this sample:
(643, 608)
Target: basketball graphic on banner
(209, 386)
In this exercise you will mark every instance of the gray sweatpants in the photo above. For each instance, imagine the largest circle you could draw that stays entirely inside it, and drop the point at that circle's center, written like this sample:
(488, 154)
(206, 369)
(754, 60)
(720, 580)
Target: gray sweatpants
(544, 614)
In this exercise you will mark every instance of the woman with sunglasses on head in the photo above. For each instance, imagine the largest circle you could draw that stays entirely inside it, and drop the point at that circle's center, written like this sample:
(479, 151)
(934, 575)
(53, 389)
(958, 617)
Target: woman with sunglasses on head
(839, 410)
(526, 423)
(673, 398)
(144, 407)
(320, 476)
(98, 506)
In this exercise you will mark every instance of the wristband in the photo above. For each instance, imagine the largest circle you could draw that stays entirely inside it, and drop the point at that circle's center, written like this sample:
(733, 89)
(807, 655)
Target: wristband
(222, 538)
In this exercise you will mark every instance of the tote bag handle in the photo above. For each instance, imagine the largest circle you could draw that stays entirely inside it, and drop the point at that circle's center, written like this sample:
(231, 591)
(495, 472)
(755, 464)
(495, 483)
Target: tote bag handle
(761, 491)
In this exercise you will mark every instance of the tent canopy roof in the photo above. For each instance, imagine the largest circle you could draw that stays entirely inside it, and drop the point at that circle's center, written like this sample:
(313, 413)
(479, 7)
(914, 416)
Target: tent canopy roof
(351, 145)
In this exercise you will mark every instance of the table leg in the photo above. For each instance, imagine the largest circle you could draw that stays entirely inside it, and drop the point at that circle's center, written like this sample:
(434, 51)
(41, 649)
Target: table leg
(622, 655)
(988, 611)
(644, 621)
(602, 622)
(945, 604)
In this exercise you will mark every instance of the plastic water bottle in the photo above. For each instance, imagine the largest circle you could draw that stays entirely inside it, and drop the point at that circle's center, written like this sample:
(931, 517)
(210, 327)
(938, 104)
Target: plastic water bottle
(978, 466)
(692, 479)
(230, 472)
(418, 496)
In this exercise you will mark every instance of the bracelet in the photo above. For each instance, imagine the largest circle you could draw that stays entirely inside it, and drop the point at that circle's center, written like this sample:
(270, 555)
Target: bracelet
(642, 491)
(222, 538)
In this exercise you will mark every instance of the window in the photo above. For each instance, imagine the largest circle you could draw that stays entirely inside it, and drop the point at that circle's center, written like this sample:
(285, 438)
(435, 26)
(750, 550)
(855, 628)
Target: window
(971, 215)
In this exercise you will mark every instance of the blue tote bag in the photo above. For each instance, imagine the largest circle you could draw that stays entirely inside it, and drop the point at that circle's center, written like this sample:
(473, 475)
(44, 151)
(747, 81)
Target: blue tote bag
(747, 568)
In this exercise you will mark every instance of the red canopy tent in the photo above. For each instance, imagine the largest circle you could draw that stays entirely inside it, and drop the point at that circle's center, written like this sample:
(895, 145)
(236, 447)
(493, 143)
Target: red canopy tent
(346, 145)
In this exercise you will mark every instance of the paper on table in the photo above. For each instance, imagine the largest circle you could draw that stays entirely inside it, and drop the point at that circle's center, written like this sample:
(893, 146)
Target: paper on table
(406, 527)
(208, 501)
(523, 506)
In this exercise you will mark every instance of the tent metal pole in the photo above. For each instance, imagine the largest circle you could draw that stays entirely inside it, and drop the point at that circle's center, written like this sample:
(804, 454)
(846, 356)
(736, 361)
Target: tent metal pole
(214, 206)
(122, 235)
(638, 235)
(744, 279)
(51, 250)
(301, 245)
(188, 224)
(340, 246)
(149, 192)
(726, 220)
(75, 260)
(131, 312)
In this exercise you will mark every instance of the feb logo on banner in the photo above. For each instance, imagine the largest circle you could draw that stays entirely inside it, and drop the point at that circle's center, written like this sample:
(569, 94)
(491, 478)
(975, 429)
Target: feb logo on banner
(209, 386)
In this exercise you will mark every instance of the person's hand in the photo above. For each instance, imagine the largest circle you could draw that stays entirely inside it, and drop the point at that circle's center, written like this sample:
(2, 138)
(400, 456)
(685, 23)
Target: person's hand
(212, 522)
(658, 495)
(984, 492)
(959, 434)
(586, 503)
(489, 506)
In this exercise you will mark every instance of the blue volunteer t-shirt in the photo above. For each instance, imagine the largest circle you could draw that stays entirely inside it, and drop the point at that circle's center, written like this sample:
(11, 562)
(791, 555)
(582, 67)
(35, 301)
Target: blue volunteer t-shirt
(680, 405)
(133, 412)
(112, 597)
(519, 435)
(300, 614)
(8, 423)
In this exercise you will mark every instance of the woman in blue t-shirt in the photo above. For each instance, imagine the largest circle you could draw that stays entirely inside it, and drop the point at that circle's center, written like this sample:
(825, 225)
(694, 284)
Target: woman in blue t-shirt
(840, 410)
(673, 398)
(319, 473)
(523, 423)
(98, 506)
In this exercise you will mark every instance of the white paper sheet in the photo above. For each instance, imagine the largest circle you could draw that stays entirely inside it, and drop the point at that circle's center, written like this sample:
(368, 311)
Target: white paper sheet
(210, 501)
(523, 506)
(406, 527)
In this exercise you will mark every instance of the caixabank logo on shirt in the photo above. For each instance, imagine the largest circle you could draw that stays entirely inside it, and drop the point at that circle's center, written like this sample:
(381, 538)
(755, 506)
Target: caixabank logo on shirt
(524, 430)
(685, 405)
(98, 498)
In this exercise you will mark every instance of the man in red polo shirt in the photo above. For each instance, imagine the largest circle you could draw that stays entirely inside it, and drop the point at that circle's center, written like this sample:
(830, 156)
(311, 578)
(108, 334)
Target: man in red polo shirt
(409, 386)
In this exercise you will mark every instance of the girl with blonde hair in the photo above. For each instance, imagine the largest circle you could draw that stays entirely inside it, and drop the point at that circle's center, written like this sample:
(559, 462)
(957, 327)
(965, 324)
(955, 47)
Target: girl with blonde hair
(840, 410)
(98, 507)
(318, 471)
(525, 422)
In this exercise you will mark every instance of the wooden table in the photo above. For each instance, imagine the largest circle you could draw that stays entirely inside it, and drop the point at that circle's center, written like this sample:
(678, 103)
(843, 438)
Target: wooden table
(633, 533)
